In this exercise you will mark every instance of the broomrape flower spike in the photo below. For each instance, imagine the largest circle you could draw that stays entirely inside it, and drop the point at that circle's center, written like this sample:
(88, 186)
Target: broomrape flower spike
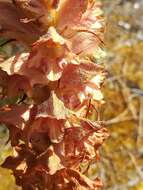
(57, 88)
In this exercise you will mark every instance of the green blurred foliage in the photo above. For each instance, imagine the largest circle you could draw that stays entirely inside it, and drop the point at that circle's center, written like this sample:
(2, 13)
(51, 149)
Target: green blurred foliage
(7, 181)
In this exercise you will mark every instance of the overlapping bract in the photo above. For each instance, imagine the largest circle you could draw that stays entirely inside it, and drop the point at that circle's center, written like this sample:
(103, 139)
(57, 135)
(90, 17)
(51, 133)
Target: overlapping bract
(58, 86)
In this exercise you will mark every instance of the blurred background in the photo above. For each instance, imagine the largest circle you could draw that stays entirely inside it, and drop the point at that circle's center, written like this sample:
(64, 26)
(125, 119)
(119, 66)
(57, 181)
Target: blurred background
(121, 165)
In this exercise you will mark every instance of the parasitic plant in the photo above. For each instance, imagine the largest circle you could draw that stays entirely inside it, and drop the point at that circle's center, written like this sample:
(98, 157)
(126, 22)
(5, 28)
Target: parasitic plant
(54, 125)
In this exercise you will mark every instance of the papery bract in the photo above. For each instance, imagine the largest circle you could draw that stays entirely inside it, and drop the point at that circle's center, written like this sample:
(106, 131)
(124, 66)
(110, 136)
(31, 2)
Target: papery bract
(82, 84)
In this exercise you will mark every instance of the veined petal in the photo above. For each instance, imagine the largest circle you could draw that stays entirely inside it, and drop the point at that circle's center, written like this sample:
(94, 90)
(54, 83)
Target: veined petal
(70, 12)
(84, 82)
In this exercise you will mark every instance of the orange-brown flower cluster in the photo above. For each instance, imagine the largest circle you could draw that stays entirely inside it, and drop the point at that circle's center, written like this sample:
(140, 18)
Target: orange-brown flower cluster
(57, 85)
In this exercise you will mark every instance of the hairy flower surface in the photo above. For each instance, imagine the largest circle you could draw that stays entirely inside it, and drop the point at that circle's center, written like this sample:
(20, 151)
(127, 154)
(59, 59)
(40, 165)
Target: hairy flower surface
(51, 92)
